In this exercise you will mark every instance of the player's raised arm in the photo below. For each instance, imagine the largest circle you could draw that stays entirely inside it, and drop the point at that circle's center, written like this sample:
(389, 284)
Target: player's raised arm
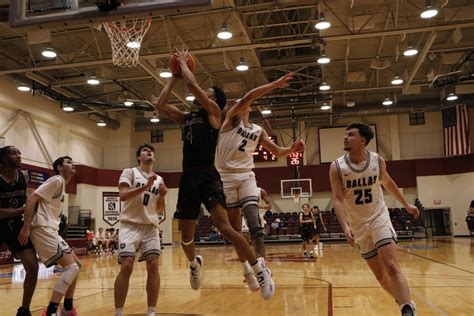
(161, 103)
(278, 151)
(161, 203)
(126, 191)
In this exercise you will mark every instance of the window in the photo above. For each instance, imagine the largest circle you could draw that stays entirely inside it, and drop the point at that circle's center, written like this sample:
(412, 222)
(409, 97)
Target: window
(417, 118)
(156, 136)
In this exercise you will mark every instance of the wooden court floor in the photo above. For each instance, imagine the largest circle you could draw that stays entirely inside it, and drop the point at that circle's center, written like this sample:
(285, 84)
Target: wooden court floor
(440, 273)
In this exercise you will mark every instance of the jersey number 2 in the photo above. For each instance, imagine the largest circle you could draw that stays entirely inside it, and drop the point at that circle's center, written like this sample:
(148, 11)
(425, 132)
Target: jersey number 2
(242, 145)
(146, 198)
(363, 196)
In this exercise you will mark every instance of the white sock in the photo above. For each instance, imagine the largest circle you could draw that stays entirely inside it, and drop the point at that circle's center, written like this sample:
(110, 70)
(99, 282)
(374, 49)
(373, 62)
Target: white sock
(247, 267)
(118, 311)
(193, 264)
(151, 310)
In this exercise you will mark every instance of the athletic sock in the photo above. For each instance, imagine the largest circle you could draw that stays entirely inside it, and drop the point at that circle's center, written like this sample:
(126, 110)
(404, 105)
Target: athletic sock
(256, 267)
(118, 312)
(151, 310)
(193, 264)
(247, 267)
(52, 308)
(68, 304)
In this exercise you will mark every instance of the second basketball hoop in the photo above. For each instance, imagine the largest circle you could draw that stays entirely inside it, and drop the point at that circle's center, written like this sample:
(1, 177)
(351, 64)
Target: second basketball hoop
(126, 37)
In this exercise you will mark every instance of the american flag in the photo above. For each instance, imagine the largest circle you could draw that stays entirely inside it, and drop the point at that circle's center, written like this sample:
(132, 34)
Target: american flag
(456, 130)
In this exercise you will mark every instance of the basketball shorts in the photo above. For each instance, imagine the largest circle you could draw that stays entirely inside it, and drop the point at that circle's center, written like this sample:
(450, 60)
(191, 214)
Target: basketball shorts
(372, 235)
(49, 246)
(9, 231)
(196, 187)
(240, 189)
(142, 238)
(307, 232)
(317, 231)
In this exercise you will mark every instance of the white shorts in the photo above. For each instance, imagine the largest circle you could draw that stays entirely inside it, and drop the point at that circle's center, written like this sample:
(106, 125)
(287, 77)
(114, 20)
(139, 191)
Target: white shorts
(48, 244)
(144, 238)
(373, 235)
(240, 189)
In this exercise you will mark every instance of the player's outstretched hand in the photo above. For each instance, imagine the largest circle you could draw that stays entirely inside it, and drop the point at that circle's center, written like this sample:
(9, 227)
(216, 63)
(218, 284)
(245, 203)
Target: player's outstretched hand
(163, 189)
(349, 236)
(150, 181)
(283, 81)
(24, 235)
(412, 209)
(182, 56)
(298, 146)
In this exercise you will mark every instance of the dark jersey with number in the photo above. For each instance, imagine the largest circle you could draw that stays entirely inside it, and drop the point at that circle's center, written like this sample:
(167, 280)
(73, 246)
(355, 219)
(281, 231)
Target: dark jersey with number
(200, 140)
(13, 194)
(306, 217)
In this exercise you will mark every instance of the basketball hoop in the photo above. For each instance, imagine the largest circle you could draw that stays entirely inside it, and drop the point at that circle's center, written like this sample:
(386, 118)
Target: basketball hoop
(296, 197)
(126, 38)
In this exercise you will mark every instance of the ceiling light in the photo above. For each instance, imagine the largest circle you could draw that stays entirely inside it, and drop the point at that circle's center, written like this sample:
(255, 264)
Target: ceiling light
(410, 51)
(128, 103)
(165, 73)
(49, 53)
(325, 106)
(397, 80)
(190, 97)
(68, 108)
(451, 97)
(242, 66)
(387, 102)
(429, 11)
(133, 44)
(93, 80)
(154, 119)
(224, 33)
(23, 87)
(266, 111)
(101, 123)
(322, 23)
(324, 86)
(323, 59)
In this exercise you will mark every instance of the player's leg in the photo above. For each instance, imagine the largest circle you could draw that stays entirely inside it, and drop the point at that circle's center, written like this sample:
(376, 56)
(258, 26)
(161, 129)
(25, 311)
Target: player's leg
(68, 308)
(151, 250)
(378, 270)
(188, 228)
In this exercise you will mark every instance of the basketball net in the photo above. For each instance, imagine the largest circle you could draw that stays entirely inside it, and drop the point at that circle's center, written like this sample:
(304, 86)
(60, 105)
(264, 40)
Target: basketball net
(126, 38)
(296, 197)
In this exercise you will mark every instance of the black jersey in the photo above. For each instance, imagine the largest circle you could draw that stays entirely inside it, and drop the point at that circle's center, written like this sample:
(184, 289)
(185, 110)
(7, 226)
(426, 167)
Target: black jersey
(200, 140)
(307, 217)
(13, 194)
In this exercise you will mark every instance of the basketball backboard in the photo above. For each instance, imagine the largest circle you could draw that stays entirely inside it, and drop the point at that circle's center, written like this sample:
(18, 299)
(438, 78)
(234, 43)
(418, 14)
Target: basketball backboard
(291, 187)
(48, 13)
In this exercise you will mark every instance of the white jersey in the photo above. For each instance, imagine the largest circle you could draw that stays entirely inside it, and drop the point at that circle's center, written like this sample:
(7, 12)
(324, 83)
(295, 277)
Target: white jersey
(50, 206)
(235, 148)
(140, 209)
(363, 194)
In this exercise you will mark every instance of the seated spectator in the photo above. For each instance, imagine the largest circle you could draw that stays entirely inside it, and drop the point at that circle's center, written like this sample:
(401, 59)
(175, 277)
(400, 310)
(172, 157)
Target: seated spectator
(276, 223)
(214, 233)
(112, 240)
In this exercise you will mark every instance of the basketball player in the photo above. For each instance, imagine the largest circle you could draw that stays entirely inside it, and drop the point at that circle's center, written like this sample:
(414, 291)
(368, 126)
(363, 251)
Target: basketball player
(143, 195)
(42, 225)
(200, 182)
(356, 181)
(13, 184)
(307, 229)
(238, 139)
(318, 226)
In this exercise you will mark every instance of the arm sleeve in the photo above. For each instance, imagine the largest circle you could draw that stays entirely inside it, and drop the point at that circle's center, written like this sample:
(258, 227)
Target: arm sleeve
(50, 188)
(127, 177)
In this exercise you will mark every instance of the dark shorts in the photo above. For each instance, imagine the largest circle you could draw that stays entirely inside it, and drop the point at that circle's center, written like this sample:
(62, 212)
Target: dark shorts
(317, 231)
(9, 231)
(307, 233)
(198, 186)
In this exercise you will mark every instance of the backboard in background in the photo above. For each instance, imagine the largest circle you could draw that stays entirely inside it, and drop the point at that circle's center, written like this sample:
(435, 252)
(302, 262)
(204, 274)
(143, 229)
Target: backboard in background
(291, 187)
(331, 142)
(48, 13)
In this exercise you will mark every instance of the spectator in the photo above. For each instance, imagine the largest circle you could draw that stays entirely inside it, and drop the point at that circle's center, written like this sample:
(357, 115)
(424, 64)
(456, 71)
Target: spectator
(276, 223)
(214, 233)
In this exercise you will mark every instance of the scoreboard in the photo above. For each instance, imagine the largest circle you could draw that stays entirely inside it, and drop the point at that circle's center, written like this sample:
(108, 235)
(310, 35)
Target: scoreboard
(261, 154)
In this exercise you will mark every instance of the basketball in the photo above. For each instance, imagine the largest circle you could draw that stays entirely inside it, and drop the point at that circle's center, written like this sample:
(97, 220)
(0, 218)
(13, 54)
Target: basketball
(174, 65)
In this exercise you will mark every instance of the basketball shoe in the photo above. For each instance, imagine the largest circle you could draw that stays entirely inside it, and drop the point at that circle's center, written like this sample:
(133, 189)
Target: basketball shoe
(264, 278)
(196, 274)
(23, 312)
(64, 312)
(251, 280)
(409, 309)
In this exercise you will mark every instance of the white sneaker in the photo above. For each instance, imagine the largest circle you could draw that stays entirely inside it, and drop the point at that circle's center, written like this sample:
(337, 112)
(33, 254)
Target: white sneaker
(251, 281)
(196, 274)
(320, 246)
(264, 278)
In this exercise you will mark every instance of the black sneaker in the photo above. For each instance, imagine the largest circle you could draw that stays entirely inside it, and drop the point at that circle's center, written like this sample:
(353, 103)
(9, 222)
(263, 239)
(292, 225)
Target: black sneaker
(408, 310)
(23, 312)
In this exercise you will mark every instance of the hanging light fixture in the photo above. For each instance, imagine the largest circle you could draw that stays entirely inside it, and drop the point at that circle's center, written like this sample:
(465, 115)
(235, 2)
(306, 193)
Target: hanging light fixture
(387, 102)
(410, 51)
(154, 119)
(397, 80)
(323, 59)
(165, 73)
(324, 86)
(452, 97)
(68, 108)
(429, 11)
(266, 111)
(325, 106)
(224, 32)
(190, 97)
(322, 23)
(128, 103)
(242, 66)
(93, 80)
(23, 87)
(101, 123)
(49, 53)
